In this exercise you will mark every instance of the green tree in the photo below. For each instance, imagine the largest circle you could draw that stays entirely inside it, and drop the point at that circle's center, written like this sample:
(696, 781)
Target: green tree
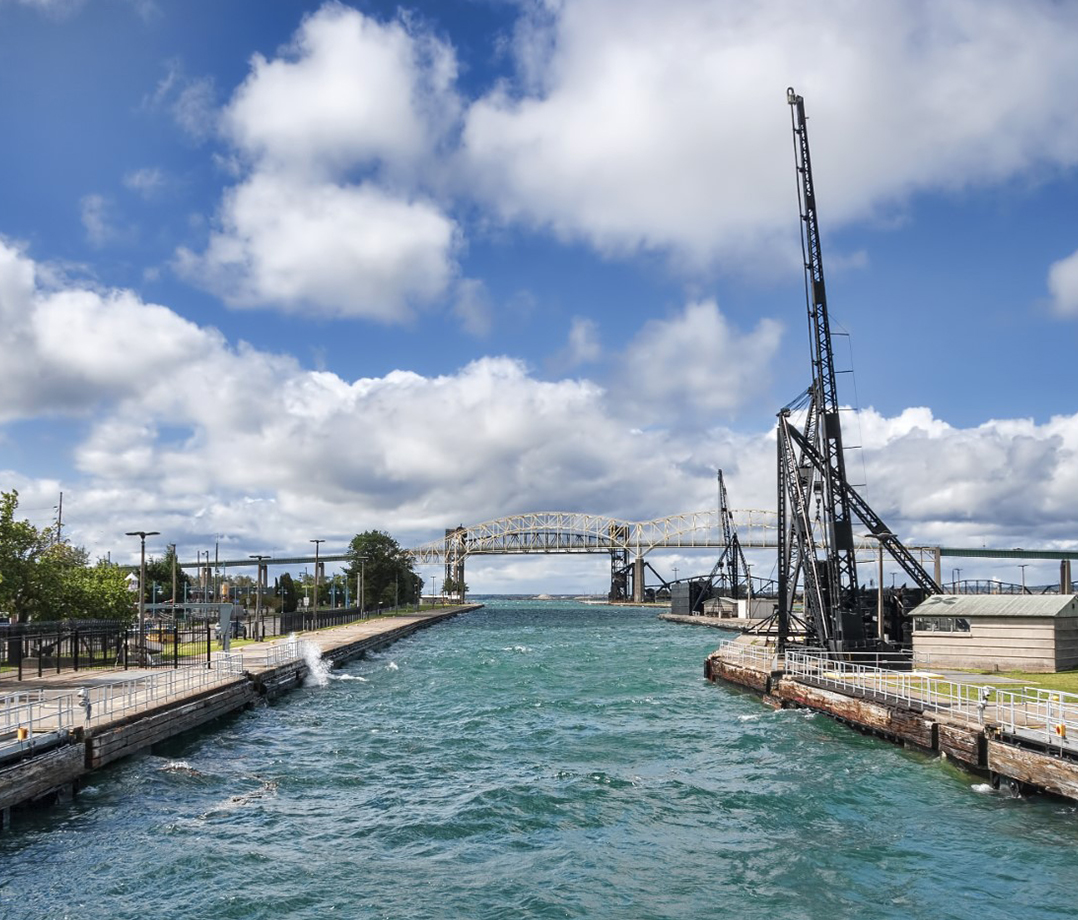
(289, 597)
(453, 588)
(159, 572)
(47, 580)
(24, 580)
(387, 570)
(97, 592)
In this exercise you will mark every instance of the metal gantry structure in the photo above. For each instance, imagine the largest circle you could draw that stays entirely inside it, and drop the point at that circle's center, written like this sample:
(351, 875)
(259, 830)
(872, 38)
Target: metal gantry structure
(817, 505)
(731, 565)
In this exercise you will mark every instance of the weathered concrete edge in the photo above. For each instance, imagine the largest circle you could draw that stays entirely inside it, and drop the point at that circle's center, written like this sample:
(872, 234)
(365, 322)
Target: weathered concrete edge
(976, 750)
(55, 774)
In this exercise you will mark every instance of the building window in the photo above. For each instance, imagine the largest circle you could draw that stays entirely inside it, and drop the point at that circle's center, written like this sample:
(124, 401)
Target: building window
(940, 624)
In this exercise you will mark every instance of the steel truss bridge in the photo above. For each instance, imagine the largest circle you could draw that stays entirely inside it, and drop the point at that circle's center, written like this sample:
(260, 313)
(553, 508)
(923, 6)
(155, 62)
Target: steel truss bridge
(574, 532)
(625, 541)
(577, 532)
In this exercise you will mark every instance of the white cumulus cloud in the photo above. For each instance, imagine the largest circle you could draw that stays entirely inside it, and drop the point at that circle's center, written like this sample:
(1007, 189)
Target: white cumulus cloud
(664, 127)
(696, 365)
(322, 220)
(338, 250)
(1063, 285)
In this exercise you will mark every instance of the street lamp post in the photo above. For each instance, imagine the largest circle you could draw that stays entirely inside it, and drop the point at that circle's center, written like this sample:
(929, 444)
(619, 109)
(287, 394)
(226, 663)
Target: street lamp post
(879, 538)
(142, 535)
(172, 546)
(361, 586)
(258, 597)
(316, 545)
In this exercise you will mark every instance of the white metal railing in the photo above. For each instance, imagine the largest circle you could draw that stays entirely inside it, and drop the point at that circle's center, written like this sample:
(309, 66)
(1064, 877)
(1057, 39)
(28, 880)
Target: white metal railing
(38, 711)
(907, 687)
(274, 655)
(760, 655)
(33, 711)
(45, 710)
(117, 699)
(1048, 716)
(230, 663)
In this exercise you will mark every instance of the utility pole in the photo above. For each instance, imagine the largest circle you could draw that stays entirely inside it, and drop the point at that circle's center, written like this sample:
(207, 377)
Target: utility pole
(316, 572)
(258, 596)
(142, 535)
(172, 546)
(361, 585)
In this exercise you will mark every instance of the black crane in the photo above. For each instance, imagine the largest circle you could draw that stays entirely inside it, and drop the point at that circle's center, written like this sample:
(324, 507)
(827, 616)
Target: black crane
(732, 558)
(816, 503)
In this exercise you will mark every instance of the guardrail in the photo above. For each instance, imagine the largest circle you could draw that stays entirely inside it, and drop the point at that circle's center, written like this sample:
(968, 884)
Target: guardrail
(909, 688)
(1047, 716)
(30, 711)
(761, 655)
(275, 655)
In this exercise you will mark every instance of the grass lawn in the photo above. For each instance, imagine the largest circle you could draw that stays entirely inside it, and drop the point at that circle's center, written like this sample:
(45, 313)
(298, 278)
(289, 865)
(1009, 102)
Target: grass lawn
(1067, 681)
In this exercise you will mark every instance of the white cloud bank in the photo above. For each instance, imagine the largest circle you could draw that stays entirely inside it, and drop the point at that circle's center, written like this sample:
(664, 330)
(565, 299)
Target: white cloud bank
(631, 126)
(202, 437)
(662, 126)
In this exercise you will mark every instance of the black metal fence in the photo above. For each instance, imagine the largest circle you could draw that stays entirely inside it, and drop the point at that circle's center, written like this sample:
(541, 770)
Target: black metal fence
(302, 620)
(37, 649)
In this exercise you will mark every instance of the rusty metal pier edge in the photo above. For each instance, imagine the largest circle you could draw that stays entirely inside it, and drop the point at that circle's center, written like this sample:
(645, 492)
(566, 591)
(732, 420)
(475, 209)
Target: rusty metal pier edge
(55, 772)
(978, 750)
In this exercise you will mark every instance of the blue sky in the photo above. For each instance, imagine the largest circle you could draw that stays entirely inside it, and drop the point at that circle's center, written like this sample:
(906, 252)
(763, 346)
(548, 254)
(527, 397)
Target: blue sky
(271, 271)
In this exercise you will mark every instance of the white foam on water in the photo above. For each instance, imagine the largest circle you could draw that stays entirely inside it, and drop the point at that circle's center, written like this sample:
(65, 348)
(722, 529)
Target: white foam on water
(347, 677)
(983, 788)
(392, 666)
(179, 766)
(318, 670)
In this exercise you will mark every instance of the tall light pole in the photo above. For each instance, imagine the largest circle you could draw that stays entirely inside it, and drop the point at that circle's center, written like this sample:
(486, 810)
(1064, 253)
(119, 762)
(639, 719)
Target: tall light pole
(258, 598)
(361, 588)
(879, 538)
(172, 546)
(142, 535)
(316, 544)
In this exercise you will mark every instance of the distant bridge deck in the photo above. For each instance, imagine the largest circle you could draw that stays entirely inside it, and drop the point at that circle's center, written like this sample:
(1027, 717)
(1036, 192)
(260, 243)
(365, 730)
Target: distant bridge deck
(578, 532)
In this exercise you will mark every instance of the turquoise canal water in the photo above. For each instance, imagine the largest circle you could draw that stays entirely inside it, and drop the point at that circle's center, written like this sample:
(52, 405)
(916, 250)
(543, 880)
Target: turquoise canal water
(538, 759)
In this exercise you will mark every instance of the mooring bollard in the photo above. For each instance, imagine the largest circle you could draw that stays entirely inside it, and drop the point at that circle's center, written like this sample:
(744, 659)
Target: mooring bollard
(84, 700)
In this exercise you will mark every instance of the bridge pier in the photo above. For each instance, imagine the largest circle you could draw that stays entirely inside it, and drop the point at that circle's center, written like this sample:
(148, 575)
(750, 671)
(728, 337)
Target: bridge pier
(638, 580)
(455, 540)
